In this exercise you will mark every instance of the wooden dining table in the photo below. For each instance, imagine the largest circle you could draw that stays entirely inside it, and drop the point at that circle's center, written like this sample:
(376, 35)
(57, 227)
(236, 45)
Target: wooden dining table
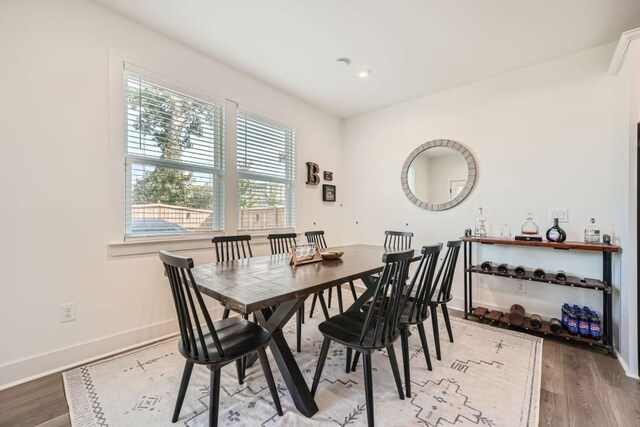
(257, 285)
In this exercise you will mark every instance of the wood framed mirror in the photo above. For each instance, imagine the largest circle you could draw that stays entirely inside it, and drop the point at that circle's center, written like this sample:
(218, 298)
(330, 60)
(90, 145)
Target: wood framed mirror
(438, 174)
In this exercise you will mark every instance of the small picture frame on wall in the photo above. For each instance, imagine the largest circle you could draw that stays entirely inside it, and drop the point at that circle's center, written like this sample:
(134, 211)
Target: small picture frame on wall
(328, 193)
(328, 176)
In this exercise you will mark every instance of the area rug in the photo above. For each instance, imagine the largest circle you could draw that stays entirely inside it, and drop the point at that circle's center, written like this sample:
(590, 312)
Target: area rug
(488, 377)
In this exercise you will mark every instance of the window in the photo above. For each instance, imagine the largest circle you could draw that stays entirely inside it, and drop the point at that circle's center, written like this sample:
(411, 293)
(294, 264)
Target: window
(265, 159)
(174, 160)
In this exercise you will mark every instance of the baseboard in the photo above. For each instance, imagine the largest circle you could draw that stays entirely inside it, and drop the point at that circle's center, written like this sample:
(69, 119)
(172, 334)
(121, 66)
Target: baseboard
(624, 365)
(31, 368)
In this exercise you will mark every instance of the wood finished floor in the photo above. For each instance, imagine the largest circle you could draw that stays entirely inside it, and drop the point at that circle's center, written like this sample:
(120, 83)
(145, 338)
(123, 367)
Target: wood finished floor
(580, 387)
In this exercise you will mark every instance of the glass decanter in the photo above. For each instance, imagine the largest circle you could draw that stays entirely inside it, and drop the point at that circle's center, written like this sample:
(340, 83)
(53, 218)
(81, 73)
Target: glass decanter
(592, 232)
(529, 228)
(481, 225)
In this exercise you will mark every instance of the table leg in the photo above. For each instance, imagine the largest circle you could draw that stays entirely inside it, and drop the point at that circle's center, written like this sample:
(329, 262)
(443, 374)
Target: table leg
(370, 283)
(279, 346)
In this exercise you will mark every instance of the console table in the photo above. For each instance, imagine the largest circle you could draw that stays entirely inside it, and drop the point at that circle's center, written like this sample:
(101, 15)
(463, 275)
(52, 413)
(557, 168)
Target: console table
(603, 286)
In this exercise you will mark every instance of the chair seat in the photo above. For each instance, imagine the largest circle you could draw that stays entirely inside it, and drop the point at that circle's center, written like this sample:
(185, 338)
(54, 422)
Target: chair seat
(346, 328)
(437, 300)
(237, 336)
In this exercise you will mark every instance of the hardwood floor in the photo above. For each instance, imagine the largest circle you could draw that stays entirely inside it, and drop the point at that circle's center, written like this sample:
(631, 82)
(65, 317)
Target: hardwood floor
(579, 388)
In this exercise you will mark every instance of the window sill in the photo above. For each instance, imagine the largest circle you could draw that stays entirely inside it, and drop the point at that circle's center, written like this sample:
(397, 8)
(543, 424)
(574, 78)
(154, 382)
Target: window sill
(146, 246)
(142, 246)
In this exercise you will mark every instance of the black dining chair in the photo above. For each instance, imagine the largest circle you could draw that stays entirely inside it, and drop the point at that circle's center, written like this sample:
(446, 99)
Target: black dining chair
(416, 311)
(230, 248)
(442, 295)
(317, 237)
(213, 344)
(377, 328)
(398, 240)
(282, 244)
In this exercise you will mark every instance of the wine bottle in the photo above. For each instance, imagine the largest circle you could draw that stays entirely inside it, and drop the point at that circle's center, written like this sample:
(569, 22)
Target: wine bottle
(555, 233)
(539, 273)
(561, 276)
(503, 268)
(486, 266)
(555, 325)
(516, 315)
(535, 321)
(520, 271)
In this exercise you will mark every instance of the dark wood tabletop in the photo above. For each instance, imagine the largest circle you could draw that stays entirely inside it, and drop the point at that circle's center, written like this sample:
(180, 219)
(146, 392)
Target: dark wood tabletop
(251, 284)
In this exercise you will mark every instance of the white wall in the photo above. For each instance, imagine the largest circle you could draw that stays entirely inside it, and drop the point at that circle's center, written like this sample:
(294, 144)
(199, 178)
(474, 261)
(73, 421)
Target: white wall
(626, 113)
(62, 179)
(542, 137)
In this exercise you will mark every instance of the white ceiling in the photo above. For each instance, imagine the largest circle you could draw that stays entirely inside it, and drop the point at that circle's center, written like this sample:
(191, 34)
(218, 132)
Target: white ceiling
(413, 47)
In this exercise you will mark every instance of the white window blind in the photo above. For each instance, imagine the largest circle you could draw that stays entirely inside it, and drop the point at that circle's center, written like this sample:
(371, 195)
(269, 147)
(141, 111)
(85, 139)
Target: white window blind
(266, 159)
(174, 160)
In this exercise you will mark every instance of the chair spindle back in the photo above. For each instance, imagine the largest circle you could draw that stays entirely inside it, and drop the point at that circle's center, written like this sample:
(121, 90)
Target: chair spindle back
(398, 240)
(281, 243)
(418, 293)
(183, 289)
(383, 315)
(229, 248)
(447, 270)
(316, 237)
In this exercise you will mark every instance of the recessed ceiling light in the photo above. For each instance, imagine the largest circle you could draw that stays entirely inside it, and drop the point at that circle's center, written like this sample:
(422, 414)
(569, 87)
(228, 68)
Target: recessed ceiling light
(364, 74)
(343, 63)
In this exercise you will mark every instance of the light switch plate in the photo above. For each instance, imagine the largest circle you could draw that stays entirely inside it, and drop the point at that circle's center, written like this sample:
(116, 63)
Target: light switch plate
(561, 214)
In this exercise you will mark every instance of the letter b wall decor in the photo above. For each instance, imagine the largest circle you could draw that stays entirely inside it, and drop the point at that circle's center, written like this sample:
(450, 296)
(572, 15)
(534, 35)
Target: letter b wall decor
(313, 171)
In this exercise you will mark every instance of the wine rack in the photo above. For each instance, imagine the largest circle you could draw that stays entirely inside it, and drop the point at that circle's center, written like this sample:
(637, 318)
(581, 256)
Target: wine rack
(495, 317)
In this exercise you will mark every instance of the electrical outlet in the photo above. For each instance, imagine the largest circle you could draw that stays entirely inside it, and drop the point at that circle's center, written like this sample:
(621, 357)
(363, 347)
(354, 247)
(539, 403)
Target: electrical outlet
(561, 214)
(522, 286)
(68, 312)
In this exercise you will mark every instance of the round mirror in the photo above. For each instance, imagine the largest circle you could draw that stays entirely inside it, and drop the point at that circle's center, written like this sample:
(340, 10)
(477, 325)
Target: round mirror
(438, 174)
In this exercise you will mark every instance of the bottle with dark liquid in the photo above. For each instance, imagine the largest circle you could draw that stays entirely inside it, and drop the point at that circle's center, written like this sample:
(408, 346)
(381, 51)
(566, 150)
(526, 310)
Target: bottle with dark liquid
(555, 233)
(555, 325)
(539, 273)
(594, 326)
(520, 271)
(486, 266)
(503, 268)
(535, 321)
(561, 276)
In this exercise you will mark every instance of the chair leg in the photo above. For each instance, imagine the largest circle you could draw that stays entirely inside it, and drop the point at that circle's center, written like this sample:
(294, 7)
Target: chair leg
(447, 322)
(313, 305)
(225, 313)
(298, 330)
(353, 290)
(355, 361)
(348, 365)
(391, 352)
(262, 355)
(239, 370)
(302, 312)
(214, 397)
(184, 384)
(329, 304)
(339, 292)
(323, 357)
(323, 305)
(425, 346)
(436, 332)
(404, 339)
(368, 389)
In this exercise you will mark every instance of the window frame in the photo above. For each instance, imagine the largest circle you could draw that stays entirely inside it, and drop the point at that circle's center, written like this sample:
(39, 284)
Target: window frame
(217, 170)
(290, 172)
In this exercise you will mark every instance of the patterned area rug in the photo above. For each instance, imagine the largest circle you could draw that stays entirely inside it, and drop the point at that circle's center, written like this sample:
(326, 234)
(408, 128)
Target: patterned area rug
(488, 377)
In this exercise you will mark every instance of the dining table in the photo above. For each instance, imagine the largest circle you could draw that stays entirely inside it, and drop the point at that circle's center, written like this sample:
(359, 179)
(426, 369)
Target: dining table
(273, 290)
